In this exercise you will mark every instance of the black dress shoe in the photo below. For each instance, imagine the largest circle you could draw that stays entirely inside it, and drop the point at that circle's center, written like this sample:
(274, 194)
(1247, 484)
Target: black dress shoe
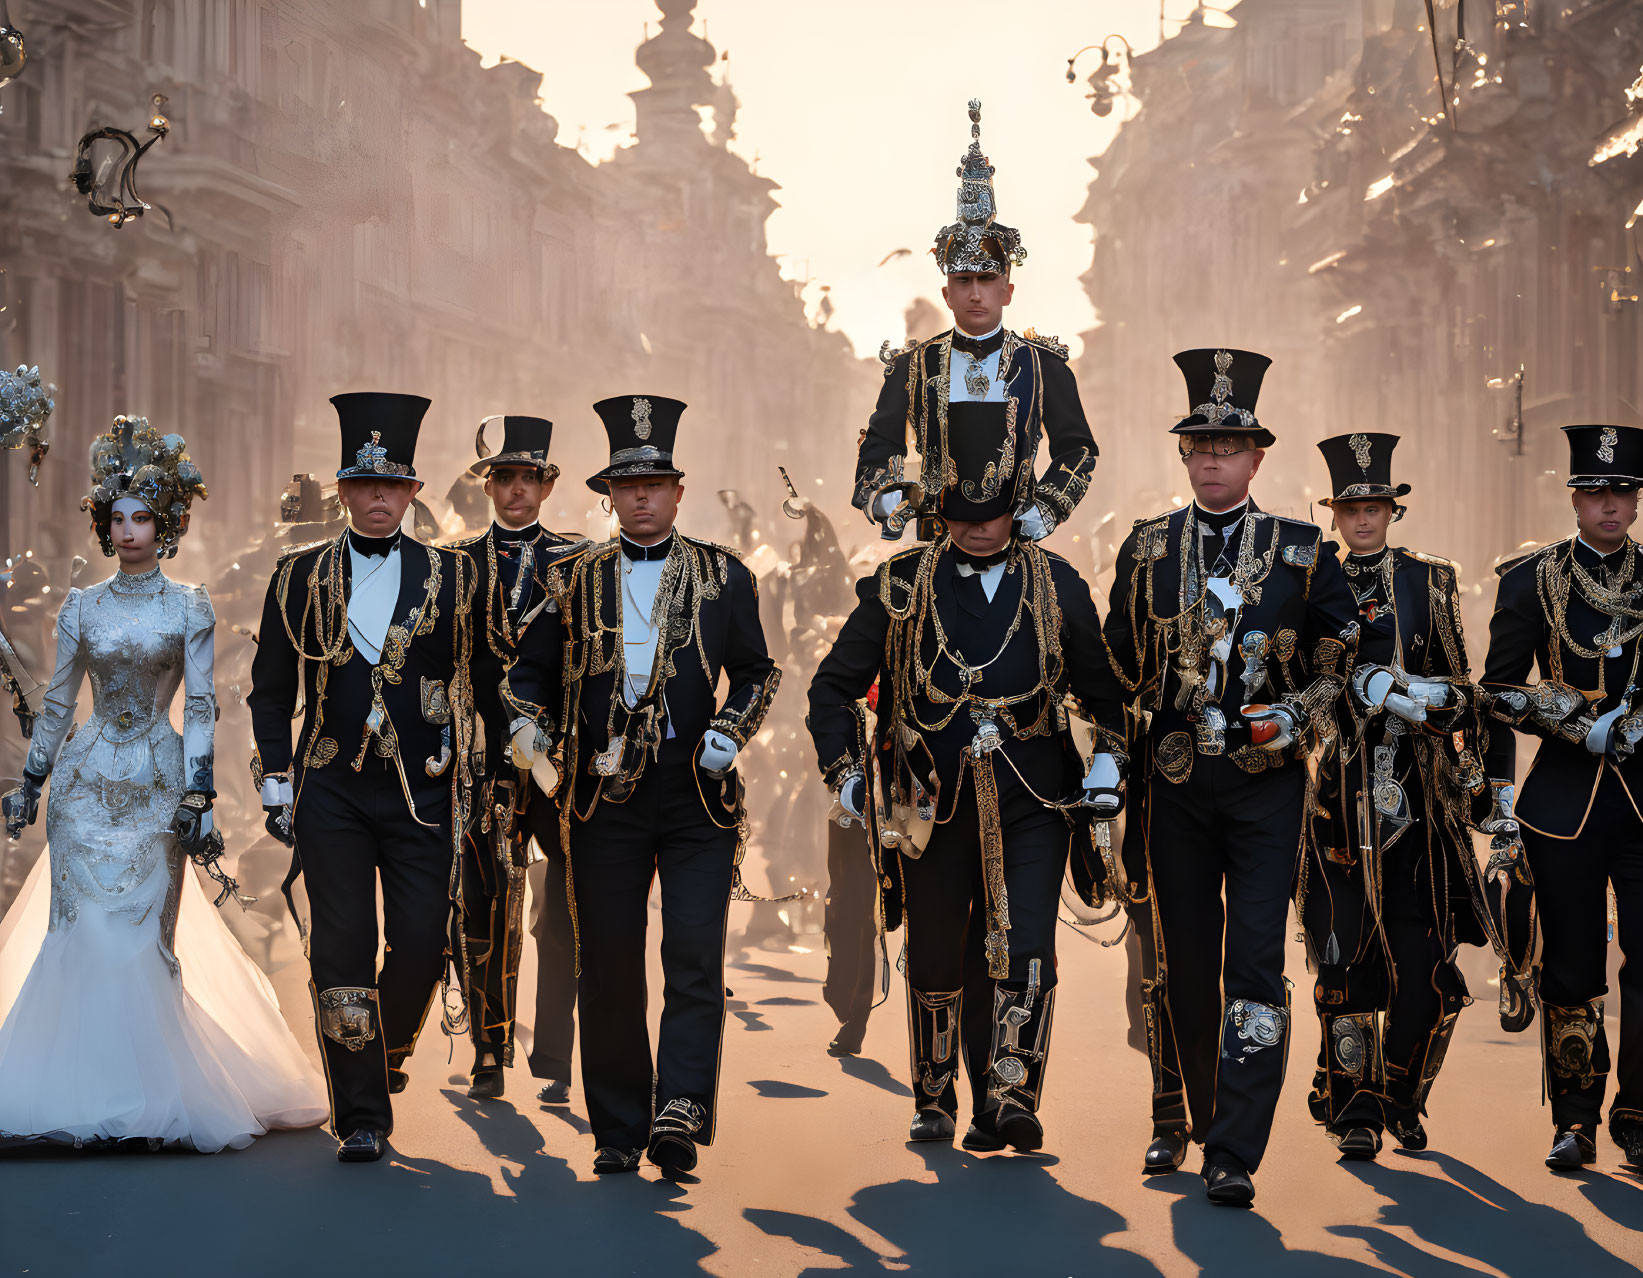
(1571, 1150)
(363, 1146)
(1408, 1130)
(1358, 1144)
(608, 1160)
(982, 1137)
(1228, 1185)
(398, 1080)
(488, 1084)
(557, 1092)
(1630, 1140)
(673, 1136)
(1018, 1127)
(931, 1124)
(1165, 1155)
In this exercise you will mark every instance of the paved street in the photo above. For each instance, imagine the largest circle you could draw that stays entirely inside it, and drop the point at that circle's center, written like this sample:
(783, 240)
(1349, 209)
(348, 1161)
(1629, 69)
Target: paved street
(812, 1175)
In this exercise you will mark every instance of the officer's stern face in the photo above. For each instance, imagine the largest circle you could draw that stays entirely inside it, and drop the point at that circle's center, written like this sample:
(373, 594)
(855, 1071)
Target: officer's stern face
(517, 493)
(1363, 524)
(1221, 480)
(977, 300)
(1604, 516)
(646, 507)
(376, 503)
(985, 538)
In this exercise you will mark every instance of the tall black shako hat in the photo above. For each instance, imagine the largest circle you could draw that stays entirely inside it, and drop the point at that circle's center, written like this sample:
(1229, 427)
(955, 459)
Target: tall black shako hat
(1222, 387)
(1360, 468)
(642, 429)
(379, 430)
(1605, 456)
(982, 451)
(525, 442)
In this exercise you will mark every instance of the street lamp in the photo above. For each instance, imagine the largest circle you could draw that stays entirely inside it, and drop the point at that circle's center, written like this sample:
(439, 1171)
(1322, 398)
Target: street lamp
(1103, 88)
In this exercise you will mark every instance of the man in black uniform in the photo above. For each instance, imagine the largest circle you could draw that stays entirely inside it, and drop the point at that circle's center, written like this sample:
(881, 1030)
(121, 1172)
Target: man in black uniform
(371, 630)
(620, 680)
(1389, 887)
(1575, 610)
(514, 557)
(978, 360)
(975, 640)
(1235, 631)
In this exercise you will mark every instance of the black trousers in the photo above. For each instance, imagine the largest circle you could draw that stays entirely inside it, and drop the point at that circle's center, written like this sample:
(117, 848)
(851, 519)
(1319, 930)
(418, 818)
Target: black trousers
(1226, 830)
(554, 1029)
(850, 924)
(660, 831)
(1409, 976)
(947, 915)
(1571, 878)
(353, 828)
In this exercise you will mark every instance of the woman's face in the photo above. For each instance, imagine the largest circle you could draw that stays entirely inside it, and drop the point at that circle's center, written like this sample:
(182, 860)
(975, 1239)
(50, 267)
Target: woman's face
(134, 534)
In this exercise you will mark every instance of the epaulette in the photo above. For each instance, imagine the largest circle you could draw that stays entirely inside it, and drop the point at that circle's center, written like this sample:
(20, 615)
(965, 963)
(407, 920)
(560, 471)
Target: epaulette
(912, 552)
(1159, 519)
(1437, 561)
(294, 551)
(1307, 524)
(1519, 557)
(463, 543)
(731, 551)
(1054, 345)
(888, 354)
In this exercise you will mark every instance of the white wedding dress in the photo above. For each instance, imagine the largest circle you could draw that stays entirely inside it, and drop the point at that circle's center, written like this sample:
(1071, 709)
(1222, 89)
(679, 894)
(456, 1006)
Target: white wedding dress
(129, 1009)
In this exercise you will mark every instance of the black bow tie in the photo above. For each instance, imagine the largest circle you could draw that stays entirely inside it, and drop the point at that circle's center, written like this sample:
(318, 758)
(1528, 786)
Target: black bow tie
(377, 547)
(979, 563)
(528, 533)
(633, 550)
(980, 347)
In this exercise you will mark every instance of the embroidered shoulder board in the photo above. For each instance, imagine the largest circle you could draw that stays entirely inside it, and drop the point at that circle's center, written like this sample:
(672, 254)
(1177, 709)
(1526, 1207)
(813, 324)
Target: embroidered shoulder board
(1052, 344)
(1301, 556)
(888, 354)
(1437, 561)
(1506, 564)
(1152, 542)
(293, 552)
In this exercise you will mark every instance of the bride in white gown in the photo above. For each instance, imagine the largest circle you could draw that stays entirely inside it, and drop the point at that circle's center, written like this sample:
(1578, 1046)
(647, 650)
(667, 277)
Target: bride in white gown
(130, 1011)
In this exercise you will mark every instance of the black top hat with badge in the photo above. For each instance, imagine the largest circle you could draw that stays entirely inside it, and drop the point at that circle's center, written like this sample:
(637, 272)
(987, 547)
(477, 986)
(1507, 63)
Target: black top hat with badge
(525, 442)
(642, 429)
(983, 450)
(379, 430)
(1360, 468)
(1605, 456)
(1222, 387)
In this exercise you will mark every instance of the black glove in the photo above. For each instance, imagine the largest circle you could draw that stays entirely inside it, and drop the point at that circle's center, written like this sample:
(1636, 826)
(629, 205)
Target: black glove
(21, 806)
(187, 820)
(277, 821)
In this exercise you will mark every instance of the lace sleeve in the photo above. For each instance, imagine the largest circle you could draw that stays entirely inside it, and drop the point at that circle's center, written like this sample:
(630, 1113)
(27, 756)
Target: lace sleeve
(199, 693)
(58, 706)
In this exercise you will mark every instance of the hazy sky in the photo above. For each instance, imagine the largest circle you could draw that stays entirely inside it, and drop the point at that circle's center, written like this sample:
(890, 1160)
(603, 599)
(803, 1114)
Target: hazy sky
(857, 108)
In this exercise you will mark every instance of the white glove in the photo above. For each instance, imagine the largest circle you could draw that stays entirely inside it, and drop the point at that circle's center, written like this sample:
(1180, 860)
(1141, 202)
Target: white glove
(718, 753)
(1433, 694)
(1378, 686)
(1101, 784)
(853, 795)
(524, 743)
(886, 502)
(276, 793)
(1410, 711)
(1034, 526)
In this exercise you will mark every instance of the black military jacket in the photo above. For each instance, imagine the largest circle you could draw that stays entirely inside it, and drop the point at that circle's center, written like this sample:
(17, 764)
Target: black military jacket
(1416, 627)
(504, 610)
(423, 680)
(1296, 606)
(1545, 618)
(570, 670)
(1038, 641)
(913, 406)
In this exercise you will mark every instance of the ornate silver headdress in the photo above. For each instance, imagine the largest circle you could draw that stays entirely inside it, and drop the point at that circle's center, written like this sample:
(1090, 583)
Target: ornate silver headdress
(976, 242)
(24, 406)
(134, 460)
